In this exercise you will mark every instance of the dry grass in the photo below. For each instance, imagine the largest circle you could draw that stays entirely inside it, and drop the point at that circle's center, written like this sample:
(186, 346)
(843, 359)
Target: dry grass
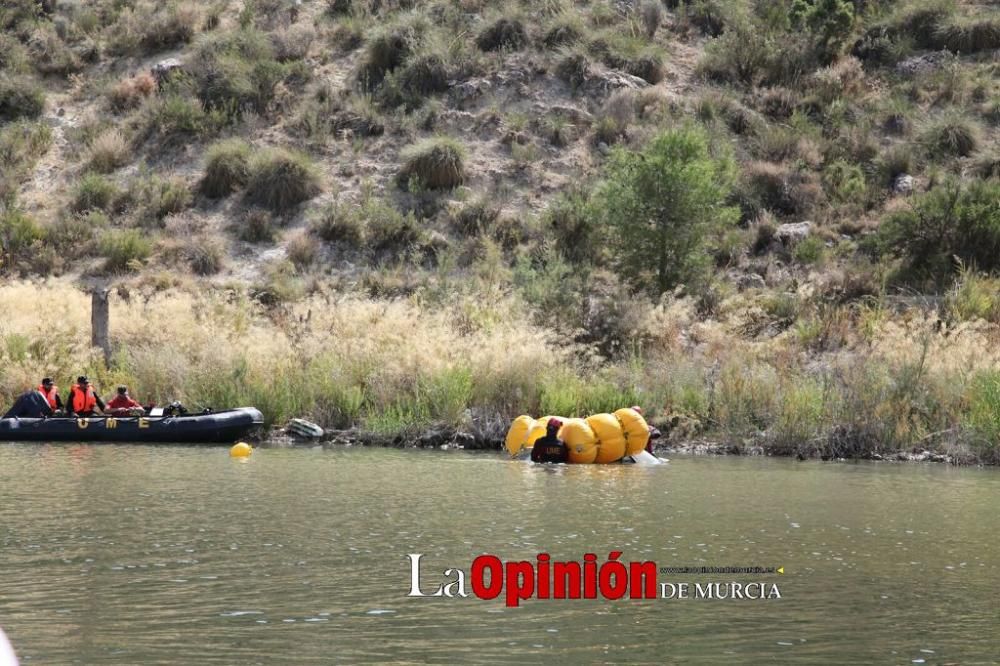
(108, 151)
(436, 164)
(129, 93)
(280, 180)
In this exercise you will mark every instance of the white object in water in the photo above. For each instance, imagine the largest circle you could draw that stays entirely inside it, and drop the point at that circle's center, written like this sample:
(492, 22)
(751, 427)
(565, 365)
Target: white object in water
(646, 458)
(7, 656)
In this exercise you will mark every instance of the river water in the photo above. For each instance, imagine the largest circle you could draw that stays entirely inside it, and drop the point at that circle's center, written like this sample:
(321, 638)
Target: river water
(172, 555)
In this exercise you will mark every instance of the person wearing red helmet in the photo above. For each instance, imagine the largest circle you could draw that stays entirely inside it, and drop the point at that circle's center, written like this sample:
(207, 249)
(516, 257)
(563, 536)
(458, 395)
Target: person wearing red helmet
(549, 448)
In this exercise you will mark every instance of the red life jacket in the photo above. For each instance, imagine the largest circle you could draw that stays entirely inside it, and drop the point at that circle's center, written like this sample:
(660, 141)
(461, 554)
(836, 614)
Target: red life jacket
(83, 401)
(50, 395)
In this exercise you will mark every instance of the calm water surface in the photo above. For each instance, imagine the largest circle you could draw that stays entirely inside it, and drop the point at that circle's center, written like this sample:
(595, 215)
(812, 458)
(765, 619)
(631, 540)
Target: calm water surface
(162, 555)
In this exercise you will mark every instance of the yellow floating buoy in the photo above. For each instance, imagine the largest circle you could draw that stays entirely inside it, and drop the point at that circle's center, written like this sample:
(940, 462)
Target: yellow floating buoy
(240, 450)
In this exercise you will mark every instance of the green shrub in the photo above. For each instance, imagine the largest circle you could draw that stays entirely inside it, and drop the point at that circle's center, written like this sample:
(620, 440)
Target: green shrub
(73, 235)
(227, 168)
(385, 53)
(574, 226)
(781, 190)
(280, 284)
(206, 256)
(830, 22)
(389, 232)
(572, 68)
(257, 227)
(745, 398)
(951, 136)
(950, 222)
(809, 250)
(154, 198)
(802, 408)
(154, 28)
(50, 54)
(844, 182)
(124, 250)
(339, 7)
(13, 56)
(424, 75)
(476, 217)
(340, 223)
(505, 33)
(19, 233)
(20, 98)
(94, 192)
(563, 33)
(922, 21)
(280, 180)
(984, 414)
(178, 115)
(969, 35)
(435, 164)
(633, 55)
(237, 72)
(987, 166)
(662, 203)
(741, 55)
(894, 162)
(974, 296)
(21, 144)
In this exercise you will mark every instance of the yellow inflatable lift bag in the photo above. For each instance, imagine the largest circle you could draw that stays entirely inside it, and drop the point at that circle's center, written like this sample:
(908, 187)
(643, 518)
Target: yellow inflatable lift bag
(610, 438)
(636, 430)
(517, 436)
(580, 440)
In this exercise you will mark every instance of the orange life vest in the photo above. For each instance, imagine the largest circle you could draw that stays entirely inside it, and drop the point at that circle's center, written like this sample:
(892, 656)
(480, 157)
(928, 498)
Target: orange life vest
(83, 401)
(50, 395)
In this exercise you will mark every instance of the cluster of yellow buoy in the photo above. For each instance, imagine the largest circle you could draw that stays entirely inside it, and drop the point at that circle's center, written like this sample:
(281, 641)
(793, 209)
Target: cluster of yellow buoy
(601, 438)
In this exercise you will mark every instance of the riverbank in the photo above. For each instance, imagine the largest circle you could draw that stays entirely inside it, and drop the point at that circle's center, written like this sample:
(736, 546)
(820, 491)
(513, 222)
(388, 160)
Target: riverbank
(452, 439)
(872, 380)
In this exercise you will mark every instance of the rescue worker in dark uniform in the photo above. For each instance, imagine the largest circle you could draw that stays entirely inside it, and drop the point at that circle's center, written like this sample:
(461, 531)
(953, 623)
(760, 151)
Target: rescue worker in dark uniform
(549, 448)
(30, 405)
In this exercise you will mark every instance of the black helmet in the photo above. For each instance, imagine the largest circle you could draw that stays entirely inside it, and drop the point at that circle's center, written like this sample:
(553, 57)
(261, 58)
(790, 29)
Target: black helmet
(46, 381)
(82, 379)
(122, 390)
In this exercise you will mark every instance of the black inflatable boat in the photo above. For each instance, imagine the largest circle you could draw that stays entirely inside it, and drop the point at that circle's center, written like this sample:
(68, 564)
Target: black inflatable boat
(214, 428)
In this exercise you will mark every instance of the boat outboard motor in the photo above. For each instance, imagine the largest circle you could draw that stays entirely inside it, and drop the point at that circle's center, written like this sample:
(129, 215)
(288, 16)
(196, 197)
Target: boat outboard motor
(175, 409)
(30, 405)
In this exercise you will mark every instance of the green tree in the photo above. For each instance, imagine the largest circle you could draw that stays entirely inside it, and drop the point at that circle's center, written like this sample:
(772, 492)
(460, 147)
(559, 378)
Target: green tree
(660, 204)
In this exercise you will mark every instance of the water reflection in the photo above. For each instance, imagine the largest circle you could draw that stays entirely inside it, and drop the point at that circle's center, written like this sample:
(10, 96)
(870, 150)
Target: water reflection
(125, 555)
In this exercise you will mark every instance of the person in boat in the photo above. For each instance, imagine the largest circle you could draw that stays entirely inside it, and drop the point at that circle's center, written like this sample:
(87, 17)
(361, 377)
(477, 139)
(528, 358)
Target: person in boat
(51, 393)
(82, 399)
(654, 433)
(549, 448)
(123, 404)
(30, 405)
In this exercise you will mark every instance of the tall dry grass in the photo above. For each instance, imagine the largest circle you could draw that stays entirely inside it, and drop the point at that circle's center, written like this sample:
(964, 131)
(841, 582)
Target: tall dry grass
(899, 382)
